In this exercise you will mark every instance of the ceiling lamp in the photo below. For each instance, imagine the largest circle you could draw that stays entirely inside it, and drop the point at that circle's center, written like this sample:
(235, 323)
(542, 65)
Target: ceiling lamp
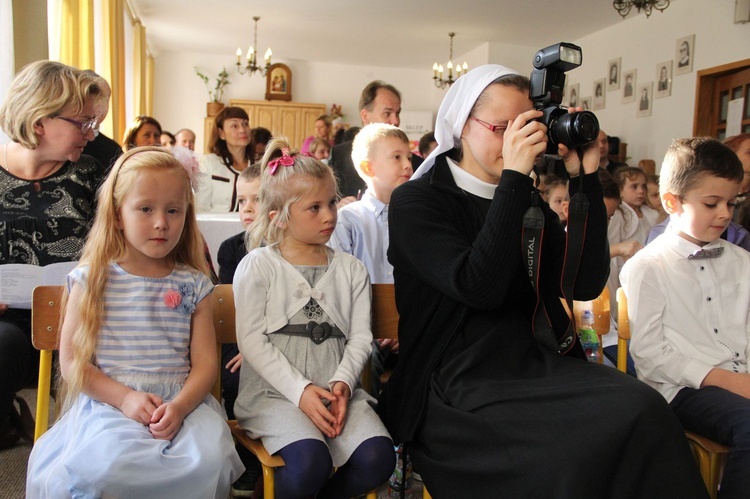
(252, 57)
(437, 70)
(623, 6)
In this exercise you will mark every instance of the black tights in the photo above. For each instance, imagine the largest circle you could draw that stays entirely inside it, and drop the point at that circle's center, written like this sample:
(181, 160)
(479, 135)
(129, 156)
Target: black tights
(307, 466)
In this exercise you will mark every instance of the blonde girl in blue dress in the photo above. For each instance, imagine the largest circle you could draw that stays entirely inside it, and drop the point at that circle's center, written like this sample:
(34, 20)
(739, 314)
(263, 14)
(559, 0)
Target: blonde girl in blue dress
(137, 351)
(303, 328)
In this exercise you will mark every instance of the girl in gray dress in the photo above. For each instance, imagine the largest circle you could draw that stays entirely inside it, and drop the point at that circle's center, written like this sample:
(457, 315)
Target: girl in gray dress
(303, 328)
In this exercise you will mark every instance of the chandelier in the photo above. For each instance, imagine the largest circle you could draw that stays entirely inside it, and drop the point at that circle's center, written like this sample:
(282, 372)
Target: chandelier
(437, 70)
(623, 6)
(251, 66)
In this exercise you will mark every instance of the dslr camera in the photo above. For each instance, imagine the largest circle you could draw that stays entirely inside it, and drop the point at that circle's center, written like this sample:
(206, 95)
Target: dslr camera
(546, 92)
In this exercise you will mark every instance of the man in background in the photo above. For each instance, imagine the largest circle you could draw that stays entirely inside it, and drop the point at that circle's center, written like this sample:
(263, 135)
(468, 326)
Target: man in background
(185, 138)
(379, 103)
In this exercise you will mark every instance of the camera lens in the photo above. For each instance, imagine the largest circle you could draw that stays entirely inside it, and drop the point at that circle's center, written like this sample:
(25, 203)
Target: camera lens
(575, 129)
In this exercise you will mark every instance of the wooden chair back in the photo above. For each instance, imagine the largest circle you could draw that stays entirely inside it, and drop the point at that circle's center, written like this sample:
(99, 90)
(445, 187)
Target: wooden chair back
(45, 336)
(384, 312)
(623, 330)
(648, 166)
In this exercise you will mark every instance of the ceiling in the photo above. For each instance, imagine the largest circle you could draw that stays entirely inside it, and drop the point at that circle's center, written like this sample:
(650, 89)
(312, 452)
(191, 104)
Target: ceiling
(392, 33)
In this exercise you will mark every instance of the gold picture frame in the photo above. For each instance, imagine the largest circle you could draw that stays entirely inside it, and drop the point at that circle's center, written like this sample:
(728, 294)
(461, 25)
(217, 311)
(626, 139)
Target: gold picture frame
(279, 82)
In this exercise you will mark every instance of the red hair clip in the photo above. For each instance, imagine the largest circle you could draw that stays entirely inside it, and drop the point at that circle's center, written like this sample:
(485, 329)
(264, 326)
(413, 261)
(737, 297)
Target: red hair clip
(285, 160)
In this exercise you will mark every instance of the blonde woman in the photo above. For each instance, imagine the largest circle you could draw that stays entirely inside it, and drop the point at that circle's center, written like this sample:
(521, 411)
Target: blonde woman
(47, 191)
(322, 130)
(137, 351)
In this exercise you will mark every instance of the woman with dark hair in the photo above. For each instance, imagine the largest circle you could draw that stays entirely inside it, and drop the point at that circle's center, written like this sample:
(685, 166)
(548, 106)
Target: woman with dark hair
(47, 191)
(488, 401)
(232, 151)
(142, 131)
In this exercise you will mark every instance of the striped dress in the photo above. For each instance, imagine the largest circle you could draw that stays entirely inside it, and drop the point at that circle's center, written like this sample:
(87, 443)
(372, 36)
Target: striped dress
(95, 450)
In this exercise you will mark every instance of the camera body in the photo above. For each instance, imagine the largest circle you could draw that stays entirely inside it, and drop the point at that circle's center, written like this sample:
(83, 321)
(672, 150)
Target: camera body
(546, 92)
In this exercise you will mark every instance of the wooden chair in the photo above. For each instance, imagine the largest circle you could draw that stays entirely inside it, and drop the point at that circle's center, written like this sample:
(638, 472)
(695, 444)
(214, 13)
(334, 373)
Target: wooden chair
(224, 325)
(648, 166)
(710, 456)
(45, 324)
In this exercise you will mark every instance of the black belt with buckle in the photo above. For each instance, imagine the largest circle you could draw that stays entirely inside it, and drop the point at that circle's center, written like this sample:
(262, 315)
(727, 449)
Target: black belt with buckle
(318, 332)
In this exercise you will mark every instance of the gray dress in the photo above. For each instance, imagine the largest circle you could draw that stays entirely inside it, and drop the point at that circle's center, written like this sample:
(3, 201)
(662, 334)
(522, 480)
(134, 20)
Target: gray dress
(266, 414)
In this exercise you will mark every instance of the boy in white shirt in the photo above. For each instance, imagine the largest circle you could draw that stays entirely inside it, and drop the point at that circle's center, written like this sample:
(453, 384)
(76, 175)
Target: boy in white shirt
(382, 156)
(688, 303)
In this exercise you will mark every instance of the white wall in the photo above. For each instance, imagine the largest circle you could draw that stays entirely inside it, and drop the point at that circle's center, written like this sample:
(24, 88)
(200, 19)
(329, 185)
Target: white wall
(180, 97)
(645, 42)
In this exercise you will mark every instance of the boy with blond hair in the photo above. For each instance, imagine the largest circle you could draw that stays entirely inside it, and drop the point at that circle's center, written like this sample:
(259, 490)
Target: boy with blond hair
(688, 304)
(382, 156)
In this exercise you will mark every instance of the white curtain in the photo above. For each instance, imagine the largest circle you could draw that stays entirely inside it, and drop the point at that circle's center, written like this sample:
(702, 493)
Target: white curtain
(7, 59)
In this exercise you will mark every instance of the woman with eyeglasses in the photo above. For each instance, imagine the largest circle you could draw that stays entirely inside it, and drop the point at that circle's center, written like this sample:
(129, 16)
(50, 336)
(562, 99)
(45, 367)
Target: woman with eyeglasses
(47, 197)
(142, 131)
(484, 401)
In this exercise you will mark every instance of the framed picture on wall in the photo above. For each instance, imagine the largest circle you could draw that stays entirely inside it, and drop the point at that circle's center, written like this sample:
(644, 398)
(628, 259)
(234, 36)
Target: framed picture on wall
(573, 95)
(628, 86)
(613, 74)
(645, 94)
(599, 94)
(684, 53)
(279, 82)
(664, 79)
(586, 103)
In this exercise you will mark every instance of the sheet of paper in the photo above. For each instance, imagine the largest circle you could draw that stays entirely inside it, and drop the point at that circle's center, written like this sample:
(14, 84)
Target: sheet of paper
(17, 281)
(734, 117)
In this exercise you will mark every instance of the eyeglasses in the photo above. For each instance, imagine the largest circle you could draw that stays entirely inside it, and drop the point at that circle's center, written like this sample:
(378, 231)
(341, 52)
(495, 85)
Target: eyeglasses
(85, 127)
(489, 126)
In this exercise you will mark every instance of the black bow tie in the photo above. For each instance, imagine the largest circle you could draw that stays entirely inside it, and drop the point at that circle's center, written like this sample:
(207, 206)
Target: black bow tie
(706, 253)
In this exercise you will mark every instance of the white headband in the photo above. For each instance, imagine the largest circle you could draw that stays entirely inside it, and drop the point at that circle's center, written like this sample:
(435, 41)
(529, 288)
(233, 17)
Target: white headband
(455, 109)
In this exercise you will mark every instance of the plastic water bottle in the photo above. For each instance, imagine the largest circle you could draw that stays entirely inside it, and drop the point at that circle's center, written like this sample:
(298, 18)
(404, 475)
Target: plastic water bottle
(589, 339)
(394, 484)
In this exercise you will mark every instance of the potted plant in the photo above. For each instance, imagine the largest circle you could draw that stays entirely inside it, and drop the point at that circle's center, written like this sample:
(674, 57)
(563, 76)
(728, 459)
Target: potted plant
(216, 93)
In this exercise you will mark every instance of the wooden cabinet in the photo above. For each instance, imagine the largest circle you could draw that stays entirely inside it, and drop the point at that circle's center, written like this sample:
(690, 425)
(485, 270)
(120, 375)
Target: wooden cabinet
(293, 120)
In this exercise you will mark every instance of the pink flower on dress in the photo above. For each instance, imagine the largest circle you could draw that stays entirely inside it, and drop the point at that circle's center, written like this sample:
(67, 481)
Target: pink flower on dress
(172, 298)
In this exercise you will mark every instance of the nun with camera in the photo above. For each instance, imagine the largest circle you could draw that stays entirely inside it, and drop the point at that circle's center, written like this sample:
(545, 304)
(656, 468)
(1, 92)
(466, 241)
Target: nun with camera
(488, 400)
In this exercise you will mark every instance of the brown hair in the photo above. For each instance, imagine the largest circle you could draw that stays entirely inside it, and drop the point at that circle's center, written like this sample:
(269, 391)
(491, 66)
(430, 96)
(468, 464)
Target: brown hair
(371, 91)
(688, 161)
(128, 138)
(218, 146)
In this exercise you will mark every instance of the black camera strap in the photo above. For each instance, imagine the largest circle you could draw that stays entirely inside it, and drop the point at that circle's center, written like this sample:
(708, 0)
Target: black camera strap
(532, 238)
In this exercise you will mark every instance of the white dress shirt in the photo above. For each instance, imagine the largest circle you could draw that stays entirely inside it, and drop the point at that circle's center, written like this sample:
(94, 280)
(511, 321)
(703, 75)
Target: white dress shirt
(218, 192)
(362, 231)
(687, 316)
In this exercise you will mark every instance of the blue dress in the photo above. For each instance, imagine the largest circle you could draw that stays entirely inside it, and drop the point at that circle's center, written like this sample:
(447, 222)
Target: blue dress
(94, 450)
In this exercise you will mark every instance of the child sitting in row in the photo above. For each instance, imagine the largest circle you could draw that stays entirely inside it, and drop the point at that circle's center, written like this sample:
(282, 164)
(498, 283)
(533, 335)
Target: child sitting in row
(320, 149)
(554, 191)
(137, 351)
(303, 327)
(630, 224)
(382, 156)
(653, 200)
(688, 303)
(231, 252)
